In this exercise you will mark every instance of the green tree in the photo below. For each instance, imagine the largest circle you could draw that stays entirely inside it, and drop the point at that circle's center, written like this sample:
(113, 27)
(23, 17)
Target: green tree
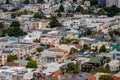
(71, 67)
(79, 9)
(10, 58)
(113, 10)
(67, 41)
(106, 77)
(63, 69)
(102, 69)
(86, 47)
(77, 69)
(7, 2)
(31, 64)
(26, 2)
(102, 49)
(108, 60)
(39, 49)
(15, 24)
(28, 58)
(15, 30)
(40, 1)
(36, 40)
(38, 15)
(24, 12)
(1, 25)
(13, 15)
(73, 50)
(107, 67)
(88, 32)
(101, 11)
(54, 22)
(61, 8)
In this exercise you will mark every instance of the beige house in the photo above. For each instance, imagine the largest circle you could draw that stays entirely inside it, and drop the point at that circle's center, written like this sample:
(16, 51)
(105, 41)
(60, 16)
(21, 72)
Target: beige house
(3, 58)
(98, 45)
(40, 24)
(5, 15)
(50, 40)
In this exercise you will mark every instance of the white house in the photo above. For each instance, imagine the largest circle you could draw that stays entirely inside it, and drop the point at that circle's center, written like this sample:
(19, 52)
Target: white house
(114, 65)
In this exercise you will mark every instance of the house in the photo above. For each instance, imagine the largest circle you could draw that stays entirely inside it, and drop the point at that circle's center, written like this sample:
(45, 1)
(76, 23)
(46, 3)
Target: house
(66, 47)
(45, 6)
(86, 67)
(40, 24)
(54, 55)
(86, 40)
(116, 55)
(50, 40)
(31, 8)
(51, 71)
(114, 65)
(5, 15)
(99, 44)
(92, 64)
(22, 49)
(31, 36)
(16, 73)
(3, 58)
(21, 62)
(82, 76)
(91, 78)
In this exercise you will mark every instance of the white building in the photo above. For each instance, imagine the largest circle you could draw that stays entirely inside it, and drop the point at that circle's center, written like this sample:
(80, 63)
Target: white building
(114, 65)
(110, 3)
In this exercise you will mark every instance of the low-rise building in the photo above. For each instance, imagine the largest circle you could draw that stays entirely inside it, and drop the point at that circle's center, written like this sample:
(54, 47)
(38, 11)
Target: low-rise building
(114, 65)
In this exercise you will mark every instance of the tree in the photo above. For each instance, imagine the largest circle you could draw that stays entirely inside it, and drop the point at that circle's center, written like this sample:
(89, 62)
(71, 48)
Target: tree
(88, 32)
(15, 30)
(24, 12)
(39, 49)
(71, 67)
(28, 58)
(77, 70)
(111, 11)
(7, 2)
(93, 2)
(107, 67)
(61, 8)
(54, 22)
(79, 9)
(1, 25)
(63, 69)
(102, 49)
(36, 40)
(102, 69)
(15, 24)
(59, 14)
(31, 64)
(101, 11)
(40, 1)
(26, 2)
(86, 47)
(108, 60)
(73, 50)
(10, 58)
(38, 15)
(106, 77)
(74, 1)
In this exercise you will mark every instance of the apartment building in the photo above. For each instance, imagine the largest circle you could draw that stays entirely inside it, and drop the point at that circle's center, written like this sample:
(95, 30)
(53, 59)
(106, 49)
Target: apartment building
(110, 3)
(50, 40)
